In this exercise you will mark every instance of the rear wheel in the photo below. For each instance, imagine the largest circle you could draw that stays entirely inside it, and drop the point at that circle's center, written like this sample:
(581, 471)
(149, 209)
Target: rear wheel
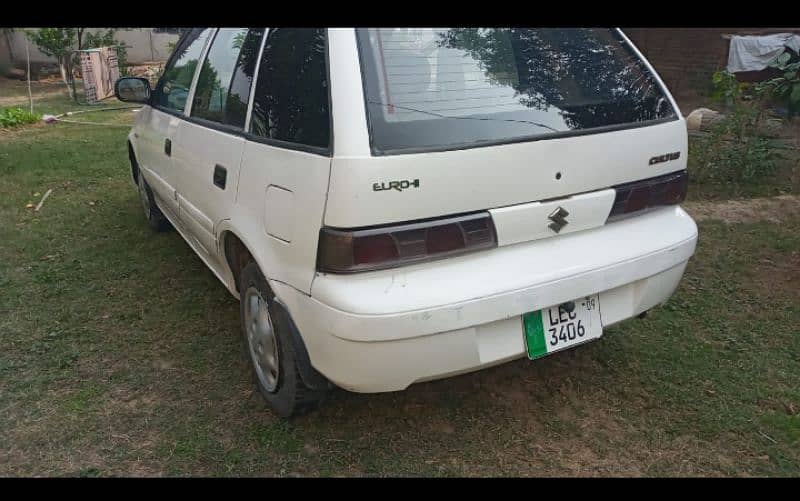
(269, 348)
(155, 218)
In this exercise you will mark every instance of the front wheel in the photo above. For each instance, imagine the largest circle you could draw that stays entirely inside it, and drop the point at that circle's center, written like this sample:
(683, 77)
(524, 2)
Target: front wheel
(269, 348)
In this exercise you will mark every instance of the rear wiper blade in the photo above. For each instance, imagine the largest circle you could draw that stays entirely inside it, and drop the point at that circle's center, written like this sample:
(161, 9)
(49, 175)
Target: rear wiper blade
(464, 118)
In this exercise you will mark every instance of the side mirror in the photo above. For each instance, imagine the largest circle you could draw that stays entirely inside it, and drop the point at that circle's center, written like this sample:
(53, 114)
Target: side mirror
(132, 90)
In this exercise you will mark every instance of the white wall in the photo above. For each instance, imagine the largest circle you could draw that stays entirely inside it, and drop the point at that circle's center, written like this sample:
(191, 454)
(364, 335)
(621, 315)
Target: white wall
(142, 44)
(145, 45)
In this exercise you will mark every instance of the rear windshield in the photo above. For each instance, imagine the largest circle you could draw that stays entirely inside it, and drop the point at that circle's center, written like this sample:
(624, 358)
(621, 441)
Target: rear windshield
(436, 89)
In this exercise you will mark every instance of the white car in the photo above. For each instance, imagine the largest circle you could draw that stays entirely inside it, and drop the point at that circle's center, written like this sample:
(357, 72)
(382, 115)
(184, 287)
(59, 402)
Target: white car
(400, 205)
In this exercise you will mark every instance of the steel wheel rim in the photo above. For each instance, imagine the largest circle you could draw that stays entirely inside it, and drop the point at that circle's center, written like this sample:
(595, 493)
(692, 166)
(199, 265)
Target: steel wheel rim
(143, 197)
(261, 341)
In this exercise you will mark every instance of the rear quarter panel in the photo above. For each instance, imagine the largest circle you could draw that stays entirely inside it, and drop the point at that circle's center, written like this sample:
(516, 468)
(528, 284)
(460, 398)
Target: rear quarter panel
(279, 210)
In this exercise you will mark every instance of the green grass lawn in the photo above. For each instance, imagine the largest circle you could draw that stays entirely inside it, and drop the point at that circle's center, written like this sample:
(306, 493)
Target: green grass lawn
(120, 355)
(14, 92)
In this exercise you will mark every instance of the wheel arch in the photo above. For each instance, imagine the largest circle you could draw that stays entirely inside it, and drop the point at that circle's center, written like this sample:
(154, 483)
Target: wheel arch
(237, 254)
(236, 250)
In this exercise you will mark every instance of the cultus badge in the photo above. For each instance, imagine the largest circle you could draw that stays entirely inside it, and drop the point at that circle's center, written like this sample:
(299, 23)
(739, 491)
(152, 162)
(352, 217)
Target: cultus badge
(665, 158)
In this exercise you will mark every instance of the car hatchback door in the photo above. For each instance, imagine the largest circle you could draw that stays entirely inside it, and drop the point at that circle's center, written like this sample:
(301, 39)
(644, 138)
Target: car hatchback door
(208, 146)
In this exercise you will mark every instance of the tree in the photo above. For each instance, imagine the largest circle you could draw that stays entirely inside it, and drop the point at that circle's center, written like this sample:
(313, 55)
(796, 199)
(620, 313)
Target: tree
(105, 39)
(58, 43)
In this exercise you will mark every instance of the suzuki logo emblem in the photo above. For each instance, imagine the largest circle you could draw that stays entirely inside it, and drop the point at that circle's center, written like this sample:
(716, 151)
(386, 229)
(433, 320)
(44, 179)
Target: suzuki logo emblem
(558, 218)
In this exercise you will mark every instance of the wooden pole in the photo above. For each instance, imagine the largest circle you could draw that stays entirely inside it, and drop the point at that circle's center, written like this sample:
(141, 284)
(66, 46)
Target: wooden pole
(28, 55)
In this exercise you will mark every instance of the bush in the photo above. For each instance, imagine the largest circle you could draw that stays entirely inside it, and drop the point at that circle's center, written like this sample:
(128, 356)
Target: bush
(785, 88)
(14, 117)
(734, 150)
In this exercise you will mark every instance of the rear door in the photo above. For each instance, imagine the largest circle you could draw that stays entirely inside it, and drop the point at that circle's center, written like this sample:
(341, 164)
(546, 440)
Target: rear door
(157, 135)
(208, 146)
(286, 162)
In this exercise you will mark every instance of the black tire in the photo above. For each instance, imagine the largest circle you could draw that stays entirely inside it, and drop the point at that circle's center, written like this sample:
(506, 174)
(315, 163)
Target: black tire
(288, 396)
(155, 218)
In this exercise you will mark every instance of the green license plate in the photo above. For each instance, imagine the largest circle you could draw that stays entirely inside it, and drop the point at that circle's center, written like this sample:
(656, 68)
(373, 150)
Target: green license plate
(556, 328)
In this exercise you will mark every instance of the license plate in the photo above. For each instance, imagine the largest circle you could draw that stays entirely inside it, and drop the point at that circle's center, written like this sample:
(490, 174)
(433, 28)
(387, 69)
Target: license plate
(555, 328)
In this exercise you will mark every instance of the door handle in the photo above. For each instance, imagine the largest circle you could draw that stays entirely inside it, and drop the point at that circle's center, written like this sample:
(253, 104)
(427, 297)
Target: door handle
(168, 147)
(220, 176)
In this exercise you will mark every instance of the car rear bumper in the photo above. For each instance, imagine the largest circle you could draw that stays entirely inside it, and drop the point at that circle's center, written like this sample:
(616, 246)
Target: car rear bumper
(382, 331)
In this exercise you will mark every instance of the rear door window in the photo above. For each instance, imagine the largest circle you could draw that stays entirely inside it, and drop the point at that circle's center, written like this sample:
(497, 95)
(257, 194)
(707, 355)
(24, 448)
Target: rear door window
(172, 90)
(223, 86)
(452, 88)
(291, 97)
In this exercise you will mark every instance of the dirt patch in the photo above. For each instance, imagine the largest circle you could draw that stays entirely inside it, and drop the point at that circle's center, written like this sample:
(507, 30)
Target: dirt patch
(776, 275)
(774, 209)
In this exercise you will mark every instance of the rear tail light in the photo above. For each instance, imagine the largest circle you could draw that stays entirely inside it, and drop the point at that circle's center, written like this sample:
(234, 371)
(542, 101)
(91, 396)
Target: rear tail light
(347, 251)
(649, 193)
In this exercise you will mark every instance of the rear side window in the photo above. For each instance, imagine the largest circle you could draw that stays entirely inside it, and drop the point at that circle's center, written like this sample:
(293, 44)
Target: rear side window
(291, 99)
(173, 88)
(453, 88)
(223, 86)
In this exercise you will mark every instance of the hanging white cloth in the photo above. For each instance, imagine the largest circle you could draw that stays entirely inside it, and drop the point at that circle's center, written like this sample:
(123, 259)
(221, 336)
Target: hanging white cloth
(754, 53)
